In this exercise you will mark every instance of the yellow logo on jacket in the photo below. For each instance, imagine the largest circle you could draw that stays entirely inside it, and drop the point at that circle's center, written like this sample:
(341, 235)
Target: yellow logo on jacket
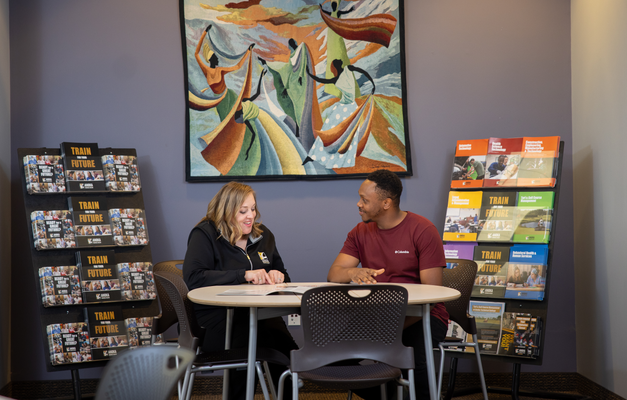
(263, 257)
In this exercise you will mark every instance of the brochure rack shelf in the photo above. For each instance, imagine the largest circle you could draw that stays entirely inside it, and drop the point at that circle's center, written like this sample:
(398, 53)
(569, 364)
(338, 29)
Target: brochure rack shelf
(36, 259)
(536, 308)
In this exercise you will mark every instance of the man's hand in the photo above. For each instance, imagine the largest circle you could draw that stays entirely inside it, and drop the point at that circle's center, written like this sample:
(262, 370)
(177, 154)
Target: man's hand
(364, 275)
(258, 277)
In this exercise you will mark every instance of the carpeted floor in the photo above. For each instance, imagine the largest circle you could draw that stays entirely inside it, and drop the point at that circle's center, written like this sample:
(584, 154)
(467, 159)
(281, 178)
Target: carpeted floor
(342, 396)
(210, 388)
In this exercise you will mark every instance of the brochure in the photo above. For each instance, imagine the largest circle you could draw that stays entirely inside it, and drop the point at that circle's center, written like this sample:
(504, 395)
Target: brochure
(264, 290)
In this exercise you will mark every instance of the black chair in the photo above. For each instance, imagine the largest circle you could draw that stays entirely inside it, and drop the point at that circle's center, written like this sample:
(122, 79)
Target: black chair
(167, 314)
(169, 266)
(352, 323)
(462, 278)
(191, 333)
(167, 317)
(144, 373)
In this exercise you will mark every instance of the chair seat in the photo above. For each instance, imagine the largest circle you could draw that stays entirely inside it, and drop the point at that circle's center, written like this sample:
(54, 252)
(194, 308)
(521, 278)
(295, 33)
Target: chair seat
(342, 377)
(241, 355)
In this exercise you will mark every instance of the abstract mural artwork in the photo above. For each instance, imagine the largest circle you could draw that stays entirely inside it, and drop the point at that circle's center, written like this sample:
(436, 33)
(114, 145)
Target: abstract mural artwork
(294, 89)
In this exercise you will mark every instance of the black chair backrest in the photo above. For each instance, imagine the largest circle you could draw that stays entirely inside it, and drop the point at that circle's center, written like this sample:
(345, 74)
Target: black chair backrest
(144, 373)
(461, 278)
(176, 289)
(167, 314)
(353, 322)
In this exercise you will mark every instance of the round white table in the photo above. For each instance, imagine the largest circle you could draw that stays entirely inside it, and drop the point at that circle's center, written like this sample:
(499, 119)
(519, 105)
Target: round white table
(421, 297)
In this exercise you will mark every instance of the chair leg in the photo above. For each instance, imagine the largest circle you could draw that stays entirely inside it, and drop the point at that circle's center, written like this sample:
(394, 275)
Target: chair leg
(452, 374)
(484, 388)
(183, 386)
(179, 384)
(262, 381)
(188, 382)
(225, 384)
(295, 384)
(441, 372)
(282, 383)
(190, 387)
(269, 379)
(412, 387)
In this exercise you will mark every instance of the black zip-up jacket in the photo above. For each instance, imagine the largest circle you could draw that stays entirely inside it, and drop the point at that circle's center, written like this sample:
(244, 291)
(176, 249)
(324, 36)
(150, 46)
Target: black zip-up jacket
(212, 260)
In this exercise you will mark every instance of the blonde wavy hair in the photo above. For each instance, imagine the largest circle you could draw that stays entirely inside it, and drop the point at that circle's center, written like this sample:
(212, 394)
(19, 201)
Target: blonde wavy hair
(225, 205)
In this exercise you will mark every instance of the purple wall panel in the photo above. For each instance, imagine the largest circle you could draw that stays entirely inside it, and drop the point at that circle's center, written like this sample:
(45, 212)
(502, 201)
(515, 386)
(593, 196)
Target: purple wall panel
(112, 72)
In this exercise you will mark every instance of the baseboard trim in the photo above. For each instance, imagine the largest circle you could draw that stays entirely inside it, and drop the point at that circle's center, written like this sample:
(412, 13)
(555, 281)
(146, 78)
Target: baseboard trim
(537, 381)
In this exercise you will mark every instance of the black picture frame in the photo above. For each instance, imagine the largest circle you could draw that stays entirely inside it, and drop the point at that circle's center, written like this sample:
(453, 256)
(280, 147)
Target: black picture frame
(262, 104)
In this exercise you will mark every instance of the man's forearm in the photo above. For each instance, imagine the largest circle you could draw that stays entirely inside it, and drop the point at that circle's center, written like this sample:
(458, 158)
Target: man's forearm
(338, 274)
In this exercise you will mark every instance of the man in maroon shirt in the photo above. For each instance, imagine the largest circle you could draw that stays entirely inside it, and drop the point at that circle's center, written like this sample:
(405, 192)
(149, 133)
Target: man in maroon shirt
(394, 246)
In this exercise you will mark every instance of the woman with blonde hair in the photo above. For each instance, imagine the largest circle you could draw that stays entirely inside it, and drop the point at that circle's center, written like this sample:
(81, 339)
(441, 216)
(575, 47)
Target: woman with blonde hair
(229, 246)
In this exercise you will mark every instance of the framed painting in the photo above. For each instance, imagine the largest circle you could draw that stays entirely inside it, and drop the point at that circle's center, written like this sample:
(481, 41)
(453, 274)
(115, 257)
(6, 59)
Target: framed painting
(294, 89)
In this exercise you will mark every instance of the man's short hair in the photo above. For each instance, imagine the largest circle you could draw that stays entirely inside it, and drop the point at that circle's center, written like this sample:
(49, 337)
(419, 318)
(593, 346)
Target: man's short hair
(388, 184)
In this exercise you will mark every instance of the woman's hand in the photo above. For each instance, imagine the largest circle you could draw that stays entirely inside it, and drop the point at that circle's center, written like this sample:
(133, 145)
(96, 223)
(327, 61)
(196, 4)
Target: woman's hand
(258, 277)
(277, 276)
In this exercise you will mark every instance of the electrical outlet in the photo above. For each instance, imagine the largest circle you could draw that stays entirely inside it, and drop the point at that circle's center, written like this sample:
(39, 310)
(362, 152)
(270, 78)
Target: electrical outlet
(293, 319)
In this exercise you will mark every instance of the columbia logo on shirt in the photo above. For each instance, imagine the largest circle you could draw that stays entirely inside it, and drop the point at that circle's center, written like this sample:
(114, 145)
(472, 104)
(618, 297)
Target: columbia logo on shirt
(401, 252)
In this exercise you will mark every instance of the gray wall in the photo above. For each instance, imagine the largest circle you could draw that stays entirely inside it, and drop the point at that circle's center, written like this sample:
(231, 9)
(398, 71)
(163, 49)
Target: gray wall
(5, 195)
(599, 62)
(112, 72)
